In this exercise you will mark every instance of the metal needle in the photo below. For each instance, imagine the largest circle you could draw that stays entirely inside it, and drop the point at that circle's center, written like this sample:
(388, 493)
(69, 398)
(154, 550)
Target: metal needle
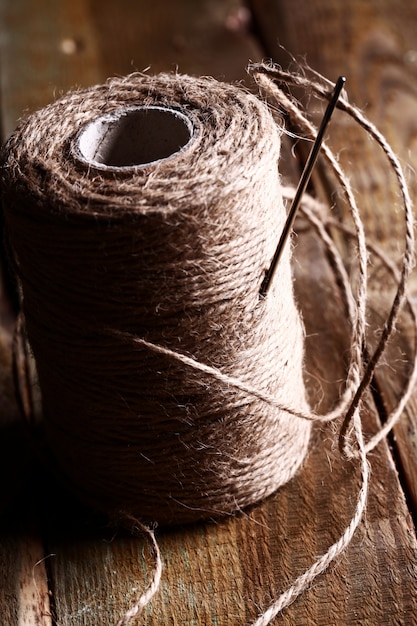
(305, 177)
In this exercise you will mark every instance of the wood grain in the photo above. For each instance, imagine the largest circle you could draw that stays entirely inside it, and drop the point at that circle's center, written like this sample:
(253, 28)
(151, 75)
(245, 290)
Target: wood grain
(372, 44)
(24, 590)
(190, 37)
(46, 48)
(226, 573)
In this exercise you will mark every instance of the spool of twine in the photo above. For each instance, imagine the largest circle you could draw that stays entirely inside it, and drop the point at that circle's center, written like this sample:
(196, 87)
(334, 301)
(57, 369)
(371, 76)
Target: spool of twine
(142, 215)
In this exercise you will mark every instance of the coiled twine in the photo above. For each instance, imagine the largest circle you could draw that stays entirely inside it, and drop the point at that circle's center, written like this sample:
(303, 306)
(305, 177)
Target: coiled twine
(142, 215)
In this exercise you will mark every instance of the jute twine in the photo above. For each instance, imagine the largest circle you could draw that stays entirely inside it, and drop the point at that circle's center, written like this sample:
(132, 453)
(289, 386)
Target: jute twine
(171, 392)
(171, 254)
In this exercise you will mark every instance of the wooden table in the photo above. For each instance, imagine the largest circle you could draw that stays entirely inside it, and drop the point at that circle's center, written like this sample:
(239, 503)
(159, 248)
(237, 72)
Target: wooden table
(61, 565)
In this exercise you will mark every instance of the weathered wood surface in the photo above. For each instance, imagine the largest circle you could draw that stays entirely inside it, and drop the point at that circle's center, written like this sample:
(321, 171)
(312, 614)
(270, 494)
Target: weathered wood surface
(59, 564)
(373, 43)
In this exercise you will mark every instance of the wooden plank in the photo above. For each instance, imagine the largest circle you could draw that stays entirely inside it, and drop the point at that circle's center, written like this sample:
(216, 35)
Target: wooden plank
(392, 378)
(24, 593)
(205, 37)
(46, 48)
(371, 43)
(63, 45)
(226, 573)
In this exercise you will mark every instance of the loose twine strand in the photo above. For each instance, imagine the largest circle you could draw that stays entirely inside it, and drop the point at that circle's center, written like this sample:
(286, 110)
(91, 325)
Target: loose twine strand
(357, 382)
(266, 75)
(136, 527)
(358, 379)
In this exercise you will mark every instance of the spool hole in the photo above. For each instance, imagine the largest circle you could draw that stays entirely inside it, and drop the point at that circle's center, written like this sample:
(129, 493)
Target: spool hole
(134, 137)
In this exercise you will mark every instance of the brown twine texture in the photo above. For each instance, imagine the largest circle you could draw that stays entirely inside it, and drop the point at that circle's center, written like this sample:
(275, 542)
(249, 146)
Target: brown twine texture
(171, 255)
(170, 391)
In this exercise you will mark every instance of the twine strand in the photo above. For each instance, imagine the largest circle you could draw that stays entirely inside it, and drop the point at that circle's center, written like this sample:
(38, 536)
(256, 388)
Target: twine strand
(136, 527)
(353, 414)
(315, 212)
(357, 381)
(304, 581)
(266, 75)
(267, 84)
(170, 255)
(231, 383)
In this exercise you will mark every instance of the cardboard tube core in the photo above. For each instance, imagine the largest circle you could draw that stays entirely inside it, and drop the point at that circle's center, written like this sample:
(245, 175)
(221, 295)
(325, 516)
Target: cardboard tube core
(134, 137)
